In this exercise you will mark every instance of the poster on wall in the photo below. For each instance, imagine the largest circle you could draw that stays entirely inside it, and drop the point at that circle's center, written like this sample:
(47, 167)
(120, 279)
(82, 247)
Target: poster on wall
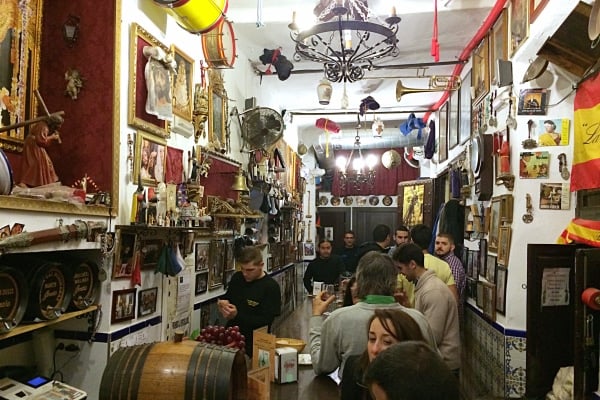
(534, 165)
(553, 132)
(555, 196)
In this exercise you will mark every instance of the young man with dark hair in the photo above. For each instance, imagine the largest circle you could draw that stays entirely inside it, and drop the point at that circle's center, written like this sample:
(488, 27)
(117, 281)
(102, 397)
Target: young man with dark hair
(444, 249)
(326, 268)
(381, 241)
(349, 251)
(253, 299)
(401, 235)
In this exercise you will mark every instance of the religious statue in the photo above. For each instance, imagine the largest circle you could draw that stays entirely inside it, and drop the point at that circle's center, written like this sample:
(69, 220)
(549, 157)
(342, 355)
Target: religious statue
(38, 169)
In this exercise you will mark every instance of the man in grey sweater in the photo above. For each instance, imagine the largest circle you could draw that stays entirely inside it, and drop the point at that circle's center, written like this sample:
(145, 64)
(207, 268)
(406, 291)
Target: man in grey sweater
(344, 332)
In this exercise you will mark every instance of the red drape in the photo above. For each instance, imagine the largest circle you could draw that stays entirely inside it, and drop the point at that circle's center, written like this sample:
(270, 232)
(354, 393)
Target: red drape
(386, 180)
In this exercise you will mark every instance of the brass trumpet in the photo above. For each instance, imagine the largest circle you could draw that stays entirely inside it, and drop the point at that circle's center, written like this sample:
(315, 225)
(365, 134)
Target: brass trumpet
(437, 83)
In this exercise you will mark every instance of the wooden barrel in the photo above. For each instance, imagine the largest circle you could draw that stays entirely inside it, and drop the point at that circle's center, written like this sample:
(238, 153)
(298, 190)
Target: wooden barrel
(175, 371)
(85, 283)
(14, 294)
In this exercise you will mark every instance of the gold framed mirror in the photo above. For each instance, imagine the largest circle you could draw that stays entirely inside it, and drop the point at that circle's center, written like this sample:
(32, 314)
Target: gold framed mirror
(217, 111)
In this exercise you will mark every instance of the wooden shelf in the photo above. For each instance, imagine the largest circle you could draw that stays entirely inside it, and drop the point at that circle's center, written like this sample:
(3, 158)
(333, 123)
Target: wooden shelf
(29, 327)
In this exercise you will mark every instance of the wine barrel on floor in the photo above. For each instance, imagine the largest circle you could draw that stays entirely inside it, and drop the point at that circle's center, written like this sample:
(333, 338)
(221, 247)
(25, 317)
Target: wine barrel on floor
(175, 371)
(14, 294)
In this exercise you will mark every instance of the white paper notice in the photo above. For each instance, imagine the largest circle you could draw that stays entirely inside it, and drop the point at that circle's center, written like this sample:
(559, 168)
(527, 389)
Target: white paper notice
(184, 294)
(555, 287)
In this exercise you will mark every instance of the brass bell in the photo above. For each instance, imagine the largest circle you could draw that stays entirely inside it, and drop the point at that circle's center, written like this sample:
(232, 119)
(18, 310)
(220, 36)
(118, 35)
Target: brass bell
(239, 184)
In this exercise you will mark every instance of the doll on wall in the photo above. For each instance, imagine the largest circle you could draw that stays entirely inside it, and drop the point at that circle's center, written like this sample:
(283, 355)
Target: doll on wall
(38, 169)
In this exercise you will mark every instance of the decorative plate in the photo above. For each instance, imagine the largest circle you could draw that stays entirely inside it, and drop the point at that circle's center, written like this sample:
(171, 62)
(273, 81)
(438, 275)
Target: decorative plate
(348, 201)
(323, 201)
(373, 200)
(335, 201)
(387, 201)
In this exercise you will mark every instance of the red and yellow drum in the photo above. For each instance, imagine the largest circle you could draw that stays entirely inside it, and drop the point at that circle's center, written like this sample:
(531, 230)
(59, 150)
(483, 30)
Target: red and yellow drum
(196, 16)
(218, 45)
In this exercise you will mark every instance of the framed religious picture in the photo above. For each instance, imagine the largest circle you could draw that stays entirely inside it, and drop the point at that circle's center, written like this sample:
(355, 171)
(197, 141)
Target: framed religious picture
(489, 300)
(150, 159)
(151, 249)
(124, 255)
(123, 305)
(217, 110)
(504, 245)
(182, 85)
(201, 283)
(495, 214)
(149, 101)
(415, 202)
(535, 8)
(499, 43)
(229, 256)
(491, 269)
(453, 120)
(147, 301)
(465, 110)
(533, 102)
(201, 252)
(216, 262)
(501, 277)
(480, 78)
(519, 24)
(442, 142)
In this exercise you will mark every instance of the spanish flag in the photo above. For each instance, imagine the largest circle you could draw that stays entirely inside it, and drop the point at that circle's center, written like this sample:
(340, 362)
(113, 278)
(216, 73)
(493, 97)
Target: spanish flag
(581, 231)
(586, 146)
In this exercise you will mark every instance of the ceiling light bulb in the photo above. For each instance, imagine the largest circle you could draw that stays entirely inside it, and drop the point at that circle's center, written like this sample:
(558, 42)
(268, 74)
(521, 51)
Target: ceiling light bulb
(340, 162)
(371, 161)
(358, 164)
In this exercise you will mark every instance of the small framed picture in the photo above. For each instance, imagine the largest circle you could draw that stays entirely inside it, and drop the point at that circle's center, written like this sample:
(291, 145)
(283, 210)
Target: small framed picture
(16, 228)
(151, 249)
(229, 256)
(504, 245)
(534, 165)
(475, 263)
(201, 252)
(328, 233)
(472, 288)
(501, 277)
(519, 24)
(5, 231)
(216, 262)
(123, 265)
(483, 253)
(147, 301)
(491, 269)
(123, 305)
(479, 299)
(201, 283)
(269, 264)
(555, 196)
(309, 249)
(182, 85)
(533, 102)
(489, 300)
(150, 160)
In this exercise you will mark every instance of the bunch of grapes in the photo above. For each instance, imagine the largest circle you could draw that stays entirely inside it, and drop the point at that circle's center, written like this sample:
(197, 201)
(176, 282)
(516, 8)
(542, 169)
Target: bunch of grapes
(228, 337)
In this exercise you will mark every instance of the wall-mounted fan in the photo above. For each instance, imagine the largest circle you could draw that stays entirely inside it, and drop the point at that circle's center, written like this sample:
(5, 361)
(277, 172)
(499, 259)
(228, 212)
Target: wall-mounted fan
(261, 128)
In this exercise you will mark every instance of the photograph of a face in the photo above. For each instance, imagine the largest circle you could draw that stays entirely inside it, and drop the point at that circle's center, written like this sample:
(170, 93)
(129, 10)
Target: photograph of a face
(553, 132)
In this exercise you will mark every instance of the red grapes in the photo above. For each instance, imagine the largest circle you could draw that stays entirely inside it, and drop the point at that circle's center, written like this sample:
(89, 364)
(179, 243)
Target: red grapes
(229, 337)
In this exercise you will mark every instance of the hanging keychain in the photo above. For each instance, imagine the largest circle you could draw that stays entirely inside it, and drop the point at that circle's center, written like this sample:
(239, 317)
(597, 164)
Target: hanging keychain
(528, 216)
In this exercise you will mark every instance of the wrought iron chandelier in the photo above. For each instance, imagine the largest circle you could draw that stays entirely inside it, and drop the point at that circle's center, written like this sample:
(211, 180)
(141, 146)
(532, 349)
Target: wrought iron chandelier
(345, 41)
(356, 171)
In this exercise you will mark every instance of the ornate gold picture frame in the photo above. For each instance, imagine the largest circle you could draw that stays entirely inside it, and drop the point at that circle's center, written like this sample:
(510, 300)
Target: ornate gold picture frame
(499, 42)
(150, 162)
(182, 84)
(480, 77)
(217, 111)
(504, 245)
(519, 24)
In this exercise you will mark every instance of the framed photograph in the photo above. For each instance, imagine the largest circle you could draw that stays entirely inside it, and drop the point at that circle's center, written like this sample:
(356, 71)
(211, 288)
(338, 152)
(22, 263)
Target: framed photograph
(495, 213)
(123, 305)
(519, 24)
(553, 132)
(533, 102)
(442, 141)
(453, 120)
(182, 85)
(535, 8)
(483, 254)
(201, 283)
(123, 266)
(501, 277)
(147, 301)
(504, 245)
(216, 262)
(465, 110)
(150, 159)
(415, 202)
(534, 165)
(491, 269)
(555, 196)
(489, 300)
(309, 249)
(480, 78)
(5, 231)
(499, 43)
(16, 228)
(217, 110)
(142, 92)
(201, 252)
(328, 233)
(506, 209)
(479, 299)
(151, 249)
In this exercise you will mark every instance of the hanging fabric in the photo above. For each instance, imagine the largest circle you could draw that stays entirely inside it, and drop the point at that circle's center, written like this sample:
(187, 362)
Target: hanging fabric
(430, 145)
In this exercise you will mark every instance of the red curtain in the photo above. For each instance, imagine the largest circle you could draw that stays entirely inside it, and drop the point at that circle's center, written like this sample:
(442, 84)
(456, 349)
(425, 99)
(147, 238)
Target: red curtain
(386, 180)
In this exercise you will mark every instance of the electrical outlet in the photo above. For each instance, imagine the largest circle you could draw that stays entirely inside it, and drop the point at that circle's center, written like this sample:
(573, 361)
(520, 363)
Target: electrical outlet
(72, 347)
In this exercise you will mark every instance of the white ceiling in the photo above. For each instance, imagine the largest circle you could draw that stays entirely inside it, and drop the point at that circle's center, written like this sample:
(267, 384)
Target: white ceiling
(457, 23)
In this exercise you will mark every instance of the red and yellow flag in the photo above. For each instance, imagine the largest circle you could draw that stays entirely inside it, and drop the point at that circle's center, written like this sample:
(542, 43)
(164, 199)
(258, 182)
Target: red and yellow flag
(581, 231)
(586, 147)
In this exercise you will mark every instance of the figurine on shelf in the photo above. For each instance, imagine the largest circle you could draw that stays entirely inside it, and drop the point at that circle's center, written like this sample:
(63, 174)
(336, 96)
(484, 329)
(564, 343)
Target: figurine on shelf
(38, 169)
(161, 205)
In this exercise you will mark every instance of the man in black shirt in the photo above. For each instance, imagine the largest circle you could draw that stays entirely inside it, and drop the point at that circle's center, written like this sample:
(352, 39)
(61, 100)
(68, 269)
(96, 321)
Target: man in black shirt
(325, 268)
(348, 252)
(381, 241)
(253, 299)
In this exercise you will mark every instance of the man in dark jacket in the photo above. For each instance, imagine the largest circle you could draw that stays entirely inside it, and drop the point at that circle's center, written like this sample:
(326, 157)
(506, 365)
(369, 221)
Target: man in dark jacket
(381, 241)
(348, 252)
(326, 268)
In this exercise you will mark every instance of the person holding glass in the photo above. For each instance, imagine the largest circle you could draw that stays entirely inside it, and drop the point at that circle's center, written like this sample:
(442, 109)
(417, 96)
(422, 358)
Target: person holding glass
(326, 268)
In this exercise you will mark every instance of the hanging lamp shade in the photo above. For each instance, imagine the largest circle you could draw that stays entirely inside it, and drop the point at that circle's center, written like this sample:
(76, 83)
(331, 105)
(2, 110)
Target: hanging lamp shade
(324, 91)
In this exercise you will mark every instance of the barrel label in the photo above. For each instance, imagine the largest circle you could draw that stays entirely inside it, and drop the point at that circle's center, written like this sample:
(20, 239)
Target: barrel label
(9, 296)
(52, 293)
(83, 285)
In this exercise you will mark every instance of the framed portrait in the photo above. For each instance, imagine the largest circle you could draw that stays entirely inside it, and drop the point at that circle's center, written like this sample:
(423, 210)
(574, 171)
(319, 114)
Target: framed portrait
(328, 233)
(309, 249)
(495, 213)
(504, 245)
(442, 141)
(465, 110)
(519, 24)
(489, 300)
(217, 110)
(182, 84)
(415, 202)
(201, 283)
(126, 244)
(147, 301)
(535, 8)
(139, 88)
(479, 300)
(499, 43)
(501, 277)
(151, 249)
(216, 262)
(453, 120)
(532, 102)
(150, 159)
(491, 269)
(480, 78)
(123, 305)
(201, 252)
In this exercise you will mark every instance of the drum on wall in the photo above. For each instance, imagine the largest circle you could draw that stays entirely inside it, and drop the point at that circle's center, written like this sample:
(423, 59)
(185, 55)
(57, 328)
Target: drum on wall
(13, 298)
(218, 45)
(195, 16)
(175, 371)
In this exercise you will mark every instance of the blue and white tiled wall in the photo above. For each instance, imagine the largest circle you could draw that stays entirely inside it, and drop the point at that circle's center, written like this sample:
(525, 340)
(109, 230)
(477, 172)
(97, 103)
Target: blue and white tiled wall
(493, 359)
